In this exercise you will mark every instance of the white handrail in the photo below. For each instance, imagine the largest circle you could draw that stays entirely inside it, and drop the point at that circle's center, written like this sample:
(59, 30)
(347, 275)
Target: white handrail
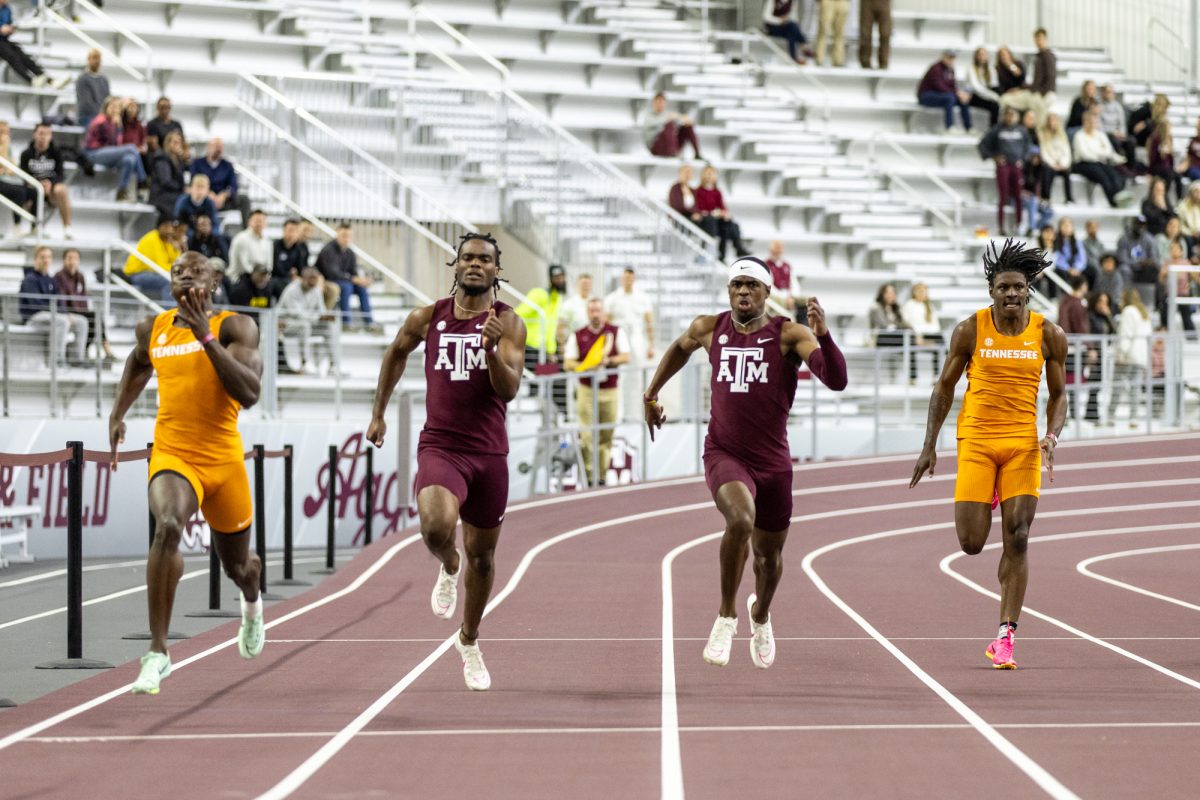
(957, 198)
(784, 58)
(39, 208)
(74, 30)
(133, 251)
(1184, 69)
(465, 41)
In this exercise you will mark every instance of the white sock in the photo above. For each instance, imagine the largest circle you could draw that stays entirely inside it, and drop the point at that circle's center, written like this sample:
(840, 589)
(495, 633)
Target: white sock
(1004, 629)
(251, 610)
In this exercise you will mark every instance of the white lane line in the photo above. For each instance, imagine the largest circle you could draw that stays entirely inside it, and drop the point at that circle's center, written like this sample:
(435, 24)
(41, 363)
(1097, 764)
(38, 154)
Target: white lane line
(672, 757)
(1083, 568)
(353, 586)
(944, 566)
(575, 639)
(58, 573)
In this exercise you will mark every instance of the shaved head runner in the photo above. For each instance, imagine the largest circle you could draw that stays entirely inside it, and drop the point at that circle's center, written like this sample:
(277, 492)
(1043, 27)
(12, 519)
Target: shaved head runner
(747, 460)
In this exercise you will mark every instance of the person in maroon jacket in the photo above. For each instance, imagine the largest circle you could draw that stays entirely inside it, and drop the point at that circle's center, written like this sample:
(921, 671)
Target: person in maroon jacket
(102, 144)
(72, 283)
(747, 459)
(474, 357)
(1073, 319)
(596, 405)
(938, 89)
(714, 216)
(681, 198)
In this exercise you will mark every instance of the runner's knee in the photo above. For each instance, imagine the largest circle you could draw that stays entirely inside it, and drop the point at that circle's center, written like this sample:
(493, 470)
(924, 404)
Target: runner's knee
(1016, 540)
(480, 563)
(740, 522)
(168, 529)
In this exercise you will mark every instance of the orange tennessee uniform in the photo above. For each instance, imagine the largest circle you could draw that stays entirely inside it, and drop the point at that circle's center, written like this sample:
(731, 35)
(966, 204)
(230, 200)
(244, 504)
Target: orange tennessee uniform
(196, 434)
(997, 427)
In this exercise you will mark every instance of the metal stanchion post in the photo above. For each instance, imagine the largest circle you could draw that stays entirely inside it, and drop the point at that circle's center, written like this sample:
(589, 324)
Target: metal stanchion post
(260, 520)
(331, 515)
(289, 578)
(370, 496)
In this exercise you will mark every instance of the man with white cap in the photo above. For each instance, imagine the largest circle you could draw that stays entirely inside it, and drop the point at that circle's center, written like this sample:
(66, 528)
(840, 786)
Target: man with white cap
(747, 460)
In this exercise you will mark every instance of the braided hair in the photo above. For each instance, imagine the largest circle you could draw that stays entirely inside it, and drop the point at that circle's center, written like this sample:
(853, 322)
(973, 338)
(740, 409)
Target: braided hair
(482, 237)
(1014, 257)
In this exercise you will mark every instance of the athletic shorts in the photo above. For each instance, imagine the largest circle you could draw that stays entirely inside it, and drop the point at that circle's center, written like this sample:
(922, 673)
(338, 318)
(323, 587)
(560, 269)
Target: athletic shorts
(480, 482)
(1010, 466)
(772, 491)
(222, 490)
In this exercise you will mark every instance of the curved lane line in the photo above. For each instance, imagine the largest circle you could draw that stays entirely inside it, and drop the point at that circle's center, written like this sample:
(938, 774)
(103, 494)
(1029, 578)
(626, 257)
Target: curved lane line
(1082, 567)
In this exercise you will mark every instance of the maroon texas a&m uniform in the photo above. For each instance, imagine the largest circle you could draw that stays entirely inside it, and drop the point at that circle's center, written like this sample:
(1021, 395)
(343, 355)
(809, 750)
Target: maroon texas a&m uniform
(585, 338)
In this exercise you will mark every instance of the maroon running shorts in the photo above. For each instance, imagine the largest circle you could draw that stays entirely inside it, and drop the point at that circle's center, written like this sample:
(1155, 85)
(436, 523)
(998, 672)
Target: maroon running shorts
(480, 482)
(772, 491)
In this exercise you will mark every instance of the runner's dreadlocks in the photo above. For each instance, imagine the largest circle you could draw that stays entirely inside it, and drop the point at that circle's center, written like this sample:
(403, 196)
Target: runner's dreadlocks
(483, 237)
(1014, 257)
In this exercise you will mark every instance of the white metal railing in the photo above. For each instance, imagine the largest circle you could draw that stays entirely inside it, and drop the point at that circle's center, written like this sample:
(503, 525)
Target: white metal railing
(1186, 71)
(956, 199)
(36, 218)
(144, 76)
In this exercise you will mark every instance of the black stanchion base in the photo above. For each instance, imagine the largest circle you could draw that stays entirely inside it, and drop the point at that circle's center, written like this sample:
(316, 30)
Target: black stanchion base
(213, 612)
(146, 635)
(75, 663)
(325, 571)
(269, 596)
(6, 703)
(291, 582)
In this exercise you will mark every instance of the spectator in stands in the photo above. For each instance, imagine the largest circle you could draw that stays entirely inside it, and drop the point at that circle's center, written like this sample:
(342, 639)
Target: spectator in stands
(832, 21)
(1143, 118)
(1045, 74)
(630, 309)
(1188, 212)
(601, 391)
(787, 283)
(1191, 168)
(255, 290)
(43, 161)
(979, 79)
(779, 20)
(872, 14)
(1029, 121)
(167, 166)
(160, 247)
(1132, 357)
(715, 219)
(132, 130)
(938, 89)
(162, 124)
(666, 131)
(1070, 258)
(1046, 237)
(195, 202)
(1073, 319)
(1186, 284)
(338, 263)
(91, 89)
(201, 239)
(70, 282)
(1010, 77)
(289, 254)
(1093, 246)
(1172, 234)
(1114, 122)
(1086, 101)
(222, 178)
(888, 328)
(1035, 184)
(572, 314)
(301, 313)
(1155, 208)
(102, 144)
(1109, 280)
(20, 61)
(540, 311)
(681, 198)
(1161, 158)
(1095, 160)
(1008, 145)
(37, 289)
(1055, 152)
(251, 248)
(1137, 255)
(920, 316)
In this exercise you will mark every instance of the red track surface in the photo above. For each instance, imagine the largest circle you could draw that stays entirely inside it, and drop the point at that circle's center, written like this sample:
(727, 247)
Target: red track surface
(578, 705)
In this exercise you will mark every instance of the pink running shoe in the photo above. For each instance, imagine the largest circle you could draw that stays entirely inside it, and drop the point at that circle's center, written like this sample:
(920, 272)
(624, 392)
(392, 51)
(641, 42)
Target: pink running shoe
(995, 499)
(1000, 652)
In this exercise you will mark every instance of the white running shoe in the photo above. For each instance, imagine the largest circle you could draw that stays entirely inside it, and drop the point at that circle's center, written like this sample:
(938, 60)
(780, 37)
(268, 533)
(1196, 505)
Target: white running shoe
(474, 670)
(762, 638)
(445, 591)
(252, 635)
(155, 667)
(720, 641)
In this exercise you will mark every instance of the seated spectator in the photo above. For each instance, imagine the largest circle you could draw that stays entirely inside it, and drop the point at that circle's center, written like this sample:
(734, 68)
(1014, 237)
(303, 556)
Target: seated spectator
(681, 198)
(1095, 160)
(1143, 118)
(779, 21)
(301, 312)
(1070, 259)
(938, 89)
(666, 131)
(1132, 356)
(1114, 121)
(979, 81)
(37, 289)
(1045, 75)
(1186, 284)
(1188, 212)
(1109, 280)
(920, 316)
(161, 247)
(70, 282)
(1084, 102)
(20, 61)
(715, 219)
(1155, 208)
(1171, 235)
(338, 264)
(201, 239)
(44, 163)
(1010, 77)
(1056, 157)
(222, 179)
(1029, 121)
(196, 202)
(255, 290)
(166, 173)
(1045, 242)
(787, 283)
(91, 90)
(250, 247)
(1161, 158)
(289, 254)
(102, 144)
(132, 130)
(1137, 254)
(162, 124)
(1093, 246)
(1100, 315)
(1191, 169)
(1073, 319)
(1008, 145)
(832, 22)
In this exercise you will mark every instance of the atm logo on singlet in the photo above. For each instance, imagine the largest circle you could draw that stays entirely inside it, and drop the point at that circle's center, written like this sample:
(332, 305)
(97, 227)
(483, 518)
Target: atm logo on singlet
(460, 353)
(741, 366)
(167, 351)
(1028, 355)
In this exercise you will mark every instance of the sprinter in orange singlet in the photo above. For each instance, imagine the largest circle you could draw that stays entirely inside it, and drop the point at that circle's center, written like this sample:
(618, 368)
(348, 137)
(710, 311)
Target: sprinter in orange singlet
(208, 368)
(1003, 349)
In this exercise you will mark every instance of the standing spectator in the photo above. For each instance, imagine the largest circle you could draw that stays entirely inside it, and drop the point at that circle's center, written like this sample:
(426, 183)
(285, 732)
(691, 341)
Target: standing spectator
(161, 247)
(1008, 145)
(1171, 235)
(167, 167)
(162, 124)
(251, 248)
(920, 316)
(37, 291)
(20, 61)
(1070, 259)
(938, 89)
(787, 283)
(1184, 284)
(1137, 259)
(289, 254)
(1160, 156)
(1010, 77)
(871, 14)
(887, 323)
(44, 163)
(631, 310)
(338, 263)
(540, 312)
(91, 89)
(1114, 123)
(1056, 157)
(714, 216)
(255, 290)
(222, 179)
(979, 79)
(779, 20)
(1086, 101)
(70, 282)
(1045, 74)
(1155, 208)
(1093, 247)
(195, 202)
(1073, 319)
(613, 344)
(681, 198)
(301, 311)
(1094, 160)
(1191, 169)
(1132, 357)
(666, 131)
(1188, 212)
(1101, 322)
(201, 239)
(1029, 121)
(102, 144)
(1034, 184)
(573, 313)
(832, 22)
(1109, 280)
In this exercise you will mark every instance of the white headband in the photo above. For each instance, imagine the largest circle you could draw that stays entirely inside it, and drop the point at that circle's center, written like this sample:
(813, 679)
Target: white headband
(750, 267)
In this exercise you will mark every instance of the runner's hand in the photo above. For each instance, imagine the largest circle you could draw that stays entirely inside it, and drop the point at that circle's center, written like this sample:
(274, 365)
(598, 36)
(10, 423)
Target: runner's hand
(655, 416)
(192, 305)
(116, 437)
(1048, 455)
(927, 461)
(376, 431)
(816, 317)
(492, 330)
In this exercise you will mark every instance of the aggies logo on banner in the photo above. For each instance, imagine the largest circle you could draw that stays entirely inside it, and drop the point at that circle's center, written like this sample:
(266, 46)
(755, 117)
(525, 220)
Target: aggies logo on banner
(460, 353)
(740, 366)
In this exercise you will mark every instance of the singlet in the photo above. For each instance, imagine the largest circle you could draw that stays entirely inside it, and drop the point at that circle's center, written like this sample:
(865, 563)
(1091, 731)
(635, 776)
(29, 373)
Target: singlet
(197, 419)
(585, 338)
(1003, 377)
(753, 386)
(462, 410)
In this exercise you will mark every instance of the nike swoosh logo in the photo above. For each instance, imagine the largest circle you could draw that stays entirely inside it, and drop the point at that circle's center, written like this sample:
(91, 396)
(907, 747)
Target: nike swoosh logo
(760, 341)
(245, 522)
(478, 327)
(1029, 344)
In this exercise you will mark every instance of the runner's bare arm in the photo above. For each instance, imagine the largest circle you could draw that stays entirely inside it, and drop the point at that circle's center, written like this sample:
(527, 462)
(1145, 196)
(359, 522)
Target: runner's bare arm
(395, 359)
(698, 334)
(138, 371)
(813, 344)
(962, 344)
(506, 359)
(235, 357)
(1054, 347)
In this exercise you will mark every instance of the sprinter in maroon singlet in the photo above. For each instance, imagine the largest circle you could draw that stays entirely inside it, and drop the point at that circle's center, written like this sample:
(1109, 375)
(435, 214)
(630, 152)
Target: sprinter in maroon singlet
(747, 461)
(474, 355)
